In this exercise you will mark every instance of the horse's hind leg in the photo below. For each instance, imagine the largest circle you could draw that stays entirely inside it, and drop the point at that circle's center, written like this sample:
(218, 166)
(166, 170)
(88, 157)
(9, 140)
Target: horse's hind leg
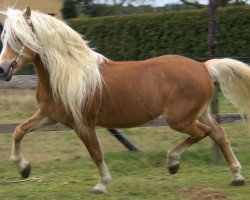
(37, 121)
(92, 144)
(197, 132)
(219, 136)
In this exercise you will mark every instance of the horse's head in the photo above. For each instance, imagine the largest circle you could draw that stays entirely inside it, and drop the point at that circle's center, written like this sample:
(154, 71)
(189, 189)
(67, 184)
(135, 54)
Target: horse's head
(14, 52)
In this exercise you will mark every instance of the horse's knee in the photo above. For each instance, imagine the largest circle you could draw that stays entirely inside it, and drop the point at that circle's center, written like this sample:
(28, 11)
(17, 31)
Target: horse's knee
(18, 134)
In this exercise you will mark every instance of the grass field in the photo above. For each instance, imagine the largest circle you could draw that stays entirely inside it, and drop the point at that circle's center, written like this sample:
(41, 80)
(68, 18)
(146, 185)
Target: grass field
(62, 168)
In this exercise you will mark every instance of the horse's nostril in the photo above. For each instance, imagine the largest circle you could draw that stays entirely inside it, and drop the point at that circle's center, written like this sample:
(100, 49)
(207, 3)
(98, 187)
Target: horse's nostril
(1, 70)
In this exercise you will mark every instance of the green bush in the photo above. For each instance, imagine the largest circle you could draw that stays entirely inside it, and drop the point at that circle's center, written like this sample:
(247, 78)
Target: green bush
(136, 37)
(69, 9)
(26, 69)
(234, 32)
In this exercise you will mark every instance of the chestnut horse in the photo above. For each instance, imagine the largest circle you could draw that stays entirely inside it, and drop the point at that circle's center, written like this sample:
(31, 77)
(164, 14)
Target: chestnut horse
(82, 89)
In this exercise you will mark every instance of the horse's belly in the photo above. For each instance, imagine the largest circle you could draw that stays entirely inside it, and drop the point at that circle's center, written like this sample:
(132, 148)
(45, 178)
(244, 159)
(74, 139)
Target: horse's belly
(125, 121)
(132, 113)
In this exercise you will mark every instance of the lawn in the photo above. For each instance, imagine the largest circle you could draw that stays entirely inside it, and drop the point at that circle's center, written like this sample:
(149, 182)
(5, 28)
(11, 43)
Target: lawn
(62, 168)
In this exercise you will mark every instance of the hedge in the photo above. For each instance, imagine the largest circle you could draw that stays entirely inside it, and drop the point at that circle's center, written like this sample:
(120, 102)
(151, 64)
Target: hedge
(136, 37)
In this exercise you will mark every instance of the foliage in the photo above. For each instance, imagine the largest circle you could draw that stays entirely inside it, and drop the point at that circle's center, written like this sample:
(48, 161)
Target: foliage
(26, 69)
(123, 7)
(219, 3)
(175, 7)
(119, 2)
(136, 37)
(234, 29)
(98, 10)
(69, 9)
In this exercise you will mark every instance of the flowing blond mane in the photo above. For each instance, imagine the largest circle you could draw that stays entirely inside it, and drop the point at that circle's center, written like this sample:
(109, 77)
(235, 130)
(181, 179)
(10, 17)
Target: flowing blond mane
(72, 65)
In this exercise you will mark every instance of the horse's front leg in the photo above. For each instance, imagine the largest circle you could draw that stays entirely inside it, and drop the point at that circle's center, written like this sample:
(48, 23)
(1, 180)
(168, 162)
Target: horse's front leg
(89, 138)
(37, 121)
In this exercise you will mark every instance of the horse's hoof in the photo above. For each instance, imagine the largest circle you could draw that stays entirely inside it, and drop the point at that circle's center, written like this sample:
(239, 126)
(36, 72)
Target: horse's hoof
(98, 192)
(99, 189)
(237, 182)
(173, 169)
(25, 172)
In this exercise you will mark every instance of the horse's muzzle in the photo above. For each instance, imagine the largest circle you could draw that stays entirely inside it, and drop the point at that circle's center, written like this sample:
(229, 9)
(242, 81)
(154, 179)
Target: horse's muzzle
(6, 71)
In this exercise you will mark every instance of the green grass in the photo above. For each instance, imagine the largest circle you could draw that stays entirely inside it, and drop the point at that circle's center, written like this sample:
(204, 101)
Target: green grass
(62, 168)
(65, 171)
(135, 176)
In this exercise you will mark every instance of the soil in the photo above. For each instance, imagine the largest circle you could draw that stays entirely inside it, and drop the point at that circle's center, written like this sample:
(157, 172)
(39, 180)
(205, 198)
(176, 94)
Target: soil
(201, 193)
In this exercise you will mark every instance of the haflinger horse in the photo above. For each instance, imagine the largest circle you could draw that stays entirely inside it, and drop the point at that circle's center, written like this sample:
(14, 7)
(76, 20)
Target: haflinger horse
(82, 89)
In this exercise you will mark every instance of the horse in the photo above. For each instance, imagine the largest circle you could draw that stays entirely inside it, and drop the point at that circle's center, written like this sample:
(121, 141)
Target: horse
(82, 89)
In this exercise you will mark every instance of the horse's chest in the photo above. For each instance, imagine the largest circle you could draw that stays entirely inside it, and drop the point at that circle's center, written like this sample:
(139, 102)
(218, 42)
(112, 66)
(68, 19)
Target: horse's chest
(51, 106)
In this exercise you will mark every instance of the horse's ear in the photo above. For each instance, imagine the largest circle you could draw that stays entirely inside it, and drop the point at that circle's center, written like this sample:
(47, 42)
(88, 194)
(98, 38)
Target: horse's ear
(27, 13)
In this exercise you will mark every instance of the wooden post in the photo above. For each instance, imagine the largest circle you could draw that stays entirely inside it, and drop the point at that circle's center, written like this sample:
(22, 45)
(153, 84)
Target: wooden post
(212, 41)
(212, 54)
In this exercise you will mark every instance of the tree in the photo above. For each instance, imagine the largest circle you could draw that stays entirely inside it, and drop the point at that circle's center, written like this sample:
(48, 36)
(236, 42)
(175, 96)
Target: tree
(85, 2)
(220, 3)
(195, 3)
(113, 2)
(127, 2)
(69, 9)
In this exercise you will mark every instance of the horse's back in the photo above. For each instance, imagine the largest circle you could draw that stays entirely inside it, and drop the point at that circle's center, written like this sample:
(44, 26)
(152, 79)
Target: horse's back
(135, 92)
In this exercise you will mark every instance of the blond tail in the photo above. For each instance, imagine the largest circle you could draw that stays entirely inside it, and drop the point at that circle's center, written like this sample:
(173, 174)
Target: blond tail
(234, 79)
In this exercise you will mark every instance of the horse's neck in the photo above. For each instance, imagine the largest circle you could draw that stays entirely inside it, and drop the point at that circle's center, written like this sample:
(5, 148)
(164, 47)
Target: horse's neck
(42, 74)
